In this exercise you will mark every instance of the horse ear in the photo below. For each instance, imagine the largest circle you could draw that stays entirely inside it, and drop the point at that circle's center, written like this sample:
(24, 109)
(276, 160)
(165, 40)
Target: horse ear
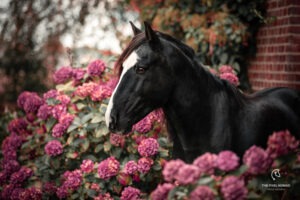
(151, 36)
(135, 29)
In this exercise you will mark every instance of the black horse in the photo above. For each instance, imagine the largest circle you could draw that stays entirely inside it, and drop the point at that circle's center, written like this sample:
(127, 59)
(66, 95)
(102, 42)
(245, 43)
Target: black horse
(203, 112)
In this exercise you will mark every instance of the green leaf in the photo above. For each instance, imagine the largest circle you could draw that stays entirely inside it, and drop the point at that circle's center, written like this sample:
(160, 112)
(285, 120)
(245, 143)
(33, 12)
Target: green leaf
(91, 193)
(101, 132)
(50, 124)
(98, 118)
(107, 146)
(72, 128)
(85, 145)
(80, 105)
(98, 148)
(86, 118)
(205, 180)
(65, 87)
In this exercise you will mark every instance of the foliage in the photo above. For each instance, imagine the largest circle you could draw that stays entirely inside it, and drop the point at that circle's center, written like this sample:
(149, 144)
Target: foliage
(264, 174)
(62, 148)
(221, 32)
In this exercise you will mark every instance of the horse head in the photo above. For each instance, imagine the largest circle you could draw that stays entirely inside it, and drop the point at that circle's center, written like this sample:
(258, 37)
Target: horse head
(145, 81)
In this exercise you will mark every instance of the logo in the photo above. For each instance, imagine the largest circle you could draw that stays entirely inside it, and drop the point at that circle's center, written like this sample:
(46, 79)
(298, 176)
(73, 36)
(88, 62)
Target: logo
(275, 174)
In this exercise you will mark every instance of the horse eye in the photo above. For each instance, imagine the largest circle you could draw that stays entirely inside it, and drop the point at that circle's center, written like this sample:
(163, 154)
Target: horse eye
(140, 70)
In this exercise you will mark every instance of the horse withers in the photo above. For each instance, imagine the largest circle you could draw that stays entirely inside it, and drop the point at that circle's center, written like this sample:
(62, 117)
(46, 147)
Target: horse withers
(203, 112)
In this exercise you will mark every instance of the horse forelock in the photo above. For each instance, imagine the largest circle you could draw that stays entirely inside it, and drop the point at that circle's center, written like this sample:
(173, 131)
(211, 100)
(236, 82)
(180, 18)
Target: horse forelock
(135, 42)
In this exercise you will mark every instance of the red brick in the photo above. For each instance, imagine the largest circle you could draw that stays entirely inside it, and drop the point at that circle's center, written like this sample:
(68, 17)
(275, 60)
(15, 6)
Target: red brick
(294, 10)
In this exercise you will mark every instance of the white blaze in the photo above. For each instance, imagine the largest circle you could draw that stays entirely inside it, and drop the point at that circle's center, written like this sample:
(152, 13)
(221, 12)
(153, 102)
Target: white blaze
(127, 64)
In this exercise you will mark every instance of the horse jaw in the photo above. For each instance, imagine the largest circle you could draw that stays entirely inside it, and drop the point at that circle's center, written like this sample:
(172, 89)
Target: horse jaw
(127, 64)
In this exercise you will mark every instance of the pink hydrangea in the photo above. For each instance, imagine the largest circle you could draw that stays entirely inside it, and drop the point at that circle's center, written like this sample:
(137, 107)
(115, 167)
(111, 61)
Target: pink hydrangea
(257, 160)
(66, 119)
(233, 188)
(85, 89)
(22, 98)
(171, 169)
(17, 126)
(143, 126)
(49, 188)
(112, 83)
(201, 193)
(44, 112)
(58, 110)
(281, 143)
(206, 163)
(96, 68)
(26, 194)
(105, 196)
(100, 92)
(131, 167)
(31, 102)
(20, 176)
(226, 69)
(161, 192)
(148, 147)
(10, 167)
(130, 193)
(7, 191)
(63, 74)
(78, 74)
(63, 99)
(51, 94)
(54, 148)
(58, 130)
(144, 164)
(87, 166)
(108, 168)
(187, 174)
(157, 115)
(230, 77)
(73, 179)
(117, 140)
(227, 161)
(62, 192)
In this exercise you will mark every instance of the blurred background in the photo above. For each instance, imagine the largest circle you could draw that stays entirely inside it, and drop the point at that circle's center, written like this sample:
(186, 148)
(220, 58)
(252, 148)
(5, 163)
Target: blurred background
(259, 39)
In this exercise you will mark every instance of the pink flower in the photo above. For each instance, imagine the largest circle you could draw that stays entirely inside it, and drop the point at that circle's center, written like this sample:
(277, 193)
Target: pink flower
(108, 168)
(148, 147)
(144, 164)
(7, 190)
(51, 94)
(44, 112)
(230, 77)
(281, 143)
(226, 69)
(105, 196)
(206, 163)
(78, 74)
(87, 166)
(58, 110)
(130, 193)
(17, 126)
(201, 193)
(63, 74)
(49, 188)
(257, 160)
(66, 119)
(131, 167)
(227, 161)
(85, 89)
(171, 169)
(54, 148)
(233, 188)
(157, 115)
(62, 192)
(22, 98)
(96, 68)
(32, 103)
(161, 192)
(187, 174)
(20, 176)
(73, 179)
(143, 126)
(10, 167)
(101, 92)
(64, 99)
(58, 130)
(117, 140)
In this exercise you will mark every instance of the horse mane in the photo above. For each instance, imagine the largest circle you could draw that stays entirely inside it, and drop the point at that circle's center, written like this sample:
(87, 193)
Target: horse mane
(140, 38)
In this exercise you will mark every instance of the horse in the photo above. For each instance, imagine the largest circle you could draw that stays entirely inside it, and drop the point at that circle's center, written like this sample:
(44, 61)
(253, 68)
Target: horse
(203, 113)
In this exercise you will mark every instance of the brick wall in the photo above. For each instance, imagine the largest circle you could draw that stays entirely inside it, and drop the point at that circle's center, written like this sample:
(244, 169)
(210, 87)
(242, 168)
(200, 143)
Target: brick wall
(277, 62)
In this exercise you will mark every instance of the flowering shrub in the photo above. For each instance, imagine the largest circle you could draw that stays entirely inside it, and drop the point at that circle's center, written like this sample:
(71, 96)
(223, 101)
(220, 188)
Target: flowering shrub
(61, 147)
(213, 176)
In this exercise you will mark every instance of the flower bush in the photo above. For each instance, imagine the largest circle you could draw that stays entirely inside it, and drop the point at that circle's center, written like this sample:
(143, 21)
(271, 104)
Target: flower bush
(61, 148)
(213, 176)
